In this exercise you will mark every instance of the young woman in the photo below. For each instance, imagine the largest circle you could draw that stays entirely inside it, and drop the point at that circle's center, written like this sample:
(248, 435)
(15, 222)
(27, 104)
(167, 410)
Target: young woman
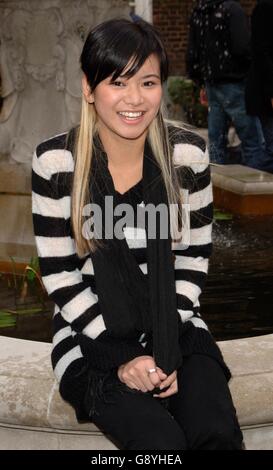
(131, 352)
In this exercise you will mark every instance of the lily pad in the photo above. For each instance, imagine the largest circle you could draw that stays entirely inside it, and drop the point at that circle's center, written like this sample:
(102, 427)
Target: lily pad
(220, 215)
(7, 320)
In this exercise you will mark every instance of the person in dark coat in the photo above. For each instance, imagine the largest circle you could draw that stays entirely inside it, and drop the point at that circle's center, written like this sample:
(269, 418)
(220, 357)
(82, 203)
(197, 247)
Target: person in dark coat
(259, 89)
(218, 57)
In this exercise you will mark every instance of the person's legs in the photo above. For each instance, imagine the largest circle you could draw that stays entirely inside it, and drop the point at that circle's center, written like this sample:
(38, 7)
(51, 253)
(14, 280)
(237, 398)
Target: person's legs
(203, 406)
(137, 421)
(217, 126)
(234, 147)
(267, 127)
(233, 98)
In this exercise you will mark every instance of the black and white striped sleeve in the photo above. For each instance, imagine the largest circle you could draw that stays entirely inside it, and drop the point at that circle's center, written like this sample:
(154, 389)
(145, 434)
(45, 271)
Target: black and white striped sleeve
(192, 256)
(59, 264)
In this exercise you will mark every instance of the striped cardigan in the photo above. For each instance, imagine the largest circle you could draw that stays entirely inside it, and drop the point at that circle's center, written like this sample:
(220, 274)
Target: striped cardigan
(70, 282)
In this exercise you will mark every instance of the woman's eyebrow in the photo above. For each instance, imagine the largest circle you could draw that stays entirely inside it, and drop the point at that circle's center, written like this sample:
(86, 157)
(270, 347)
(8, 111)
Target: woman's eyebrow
(151, 75)
(142, 78)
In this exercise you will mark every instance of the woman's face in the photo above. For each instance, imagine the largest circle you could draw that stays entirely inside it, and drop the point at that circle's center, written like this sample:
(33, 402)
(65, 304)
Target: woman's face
(127, 107)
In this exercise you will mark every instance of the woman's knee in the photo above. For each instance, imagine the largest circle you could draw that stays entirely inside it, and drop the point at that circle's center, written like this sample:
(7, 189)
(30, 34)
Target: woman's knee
(163, 439)
(226, 439)
(221, 436)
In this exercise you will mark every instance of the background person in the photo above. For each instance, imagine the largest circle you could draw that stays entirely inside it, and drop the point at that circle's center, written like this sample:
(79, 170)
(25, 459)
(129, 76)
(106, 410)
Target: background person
(218, 57)
(259, 89)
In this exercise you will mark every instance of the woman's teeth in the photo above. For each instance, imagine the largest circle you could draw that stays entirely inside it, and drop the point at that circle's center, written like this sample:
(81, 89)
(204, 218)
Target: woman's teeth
(130, 115)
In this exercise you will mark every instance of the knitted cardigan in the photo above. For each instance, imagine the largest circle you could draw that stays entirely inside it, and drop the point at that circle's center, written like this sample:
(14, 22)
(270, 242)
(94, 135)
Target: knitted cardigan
(70, 281)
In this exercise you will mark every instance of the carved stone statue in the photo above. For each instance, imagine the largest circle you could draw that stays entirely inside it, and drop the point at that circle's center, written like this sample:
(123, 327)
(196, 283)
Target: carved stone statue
(40, 47)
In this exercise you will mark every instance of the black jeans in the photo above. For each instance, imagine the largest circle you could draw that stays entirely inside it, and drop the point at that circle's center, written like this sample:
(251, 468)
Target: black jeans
(200, 416)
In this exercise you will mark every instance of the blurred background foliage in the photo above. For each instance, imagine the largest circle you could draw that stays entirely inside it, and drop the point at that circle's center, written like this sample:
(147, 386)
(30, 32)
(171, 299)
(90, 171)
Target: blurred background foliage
(185, 93)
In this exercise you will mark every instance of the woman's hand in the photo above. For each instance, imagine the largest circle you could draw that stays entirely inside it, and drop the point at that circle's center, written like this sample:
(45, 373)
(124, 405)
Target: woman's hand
(135, 374)
(171, 382)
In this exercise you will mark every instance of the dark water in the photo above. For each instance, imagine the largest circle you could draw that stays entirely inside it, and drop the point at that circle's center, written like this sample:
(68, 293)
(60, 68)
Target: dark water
(237, 301)
(35, 326)
(238, 298)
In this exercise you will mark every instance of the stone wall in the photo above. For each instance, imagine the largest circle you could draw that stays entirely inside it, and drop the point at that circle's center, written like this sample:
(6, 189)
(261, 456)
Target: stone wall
(171, 18)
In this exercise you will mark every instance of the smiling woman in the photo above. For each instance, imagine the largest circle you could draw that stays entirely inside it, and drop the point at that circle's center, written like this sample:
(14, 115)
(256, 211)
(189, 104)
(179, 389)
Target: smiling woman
(132, 101)
(130, 350)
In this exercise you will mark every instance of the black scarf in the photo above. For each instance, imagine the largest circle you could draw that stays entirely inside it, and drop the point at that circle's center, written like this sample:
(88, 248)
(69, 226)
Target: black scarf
(130, 302)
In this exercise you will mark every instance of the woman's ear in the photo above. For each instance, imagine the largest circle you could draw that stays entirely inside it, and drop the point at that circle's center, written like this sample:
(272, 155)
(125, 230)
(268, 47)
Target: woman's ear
(86, 90)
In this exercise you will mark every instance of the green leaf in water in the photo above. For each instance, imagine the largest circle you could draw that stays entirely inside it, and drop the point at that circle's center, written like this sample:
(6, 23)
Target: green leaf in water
(6, 319)
(220, 215)
(32, 271)
(25, 311)
(35, 263)
(31, 275)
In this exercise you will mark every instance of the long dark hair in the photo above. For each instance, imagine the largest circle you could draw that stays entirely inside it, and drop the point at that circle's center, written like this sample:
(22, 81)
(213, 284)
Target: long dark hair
(108, 49)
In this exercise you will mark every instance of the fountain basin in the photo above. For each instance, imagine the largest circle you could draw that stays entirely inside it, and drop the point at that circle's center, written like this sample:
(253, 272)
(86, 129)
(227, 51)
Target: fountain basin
(242, 190)
(34, 416)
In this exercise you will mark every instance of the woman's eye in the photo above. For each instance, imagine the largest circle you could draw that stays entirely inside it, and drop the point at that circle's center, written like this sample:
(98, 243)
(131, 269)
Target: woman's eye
(149, 84)
(117, 83)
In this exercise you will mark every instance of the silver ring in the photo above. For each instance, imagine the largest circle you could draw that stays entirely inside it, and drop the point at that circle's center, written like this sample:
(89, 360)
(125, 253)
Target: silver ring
(150, 371)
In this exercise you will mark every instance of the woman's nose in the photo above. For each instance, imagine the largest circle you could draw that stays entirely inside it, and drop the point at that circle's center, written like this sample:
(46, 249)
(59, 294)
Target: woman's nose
(133, 95)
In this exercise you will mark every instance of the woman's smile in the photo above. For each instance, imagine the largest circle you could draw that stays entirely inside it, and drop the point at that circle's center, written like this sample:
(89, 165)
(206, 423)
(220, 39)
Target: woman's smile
(131, 117)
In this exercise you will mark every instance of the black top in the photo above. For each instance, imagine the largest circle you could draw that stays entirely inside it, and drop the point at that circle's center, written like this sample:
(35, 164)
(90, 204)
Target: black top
(259, 89)
(219, 42)
(132, 194)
